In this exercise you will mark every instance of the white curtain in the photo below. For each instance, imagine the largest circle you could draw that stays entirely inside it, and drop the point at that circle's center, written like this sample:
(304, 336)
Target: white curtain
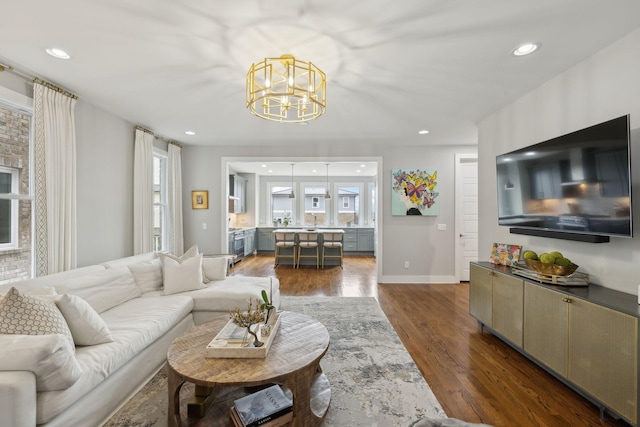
(54, 179)
(143, 192)
(175, 240)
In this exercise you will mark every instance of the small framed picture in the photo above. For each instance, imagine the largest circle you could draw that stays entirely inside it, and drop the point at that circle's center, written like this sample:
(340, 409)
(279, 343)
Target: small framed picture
(200, 199)
(505, 254)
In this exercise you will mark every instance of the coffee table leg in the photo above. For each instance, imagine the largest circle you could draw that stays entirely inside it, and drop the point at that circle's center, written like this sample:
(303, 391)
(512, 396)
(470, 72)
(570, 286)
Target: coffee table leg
(300, 386)
(174, 384)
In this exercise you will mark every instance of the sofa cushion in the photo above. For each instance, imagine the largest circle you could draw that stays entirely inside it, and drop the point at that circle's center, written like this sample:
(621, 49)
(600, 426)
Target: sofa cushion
(181, 276)
(214, 268)
(49, 357)
(87, 327)
(234, 291)
(22, 314)
(148, 275)
(130, 260)
(103, 290)
(51, 280)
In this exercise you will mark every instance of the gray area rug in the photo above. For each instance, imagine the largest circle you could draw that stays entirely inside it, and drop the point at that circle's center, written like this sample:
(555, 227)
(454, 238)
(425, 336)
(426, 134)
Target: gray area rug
(374, 381)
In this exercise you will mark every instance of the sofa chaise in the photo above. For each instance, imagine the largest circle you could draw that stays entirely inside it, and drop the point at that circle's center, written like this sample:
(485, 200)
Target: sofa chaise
(121, 318)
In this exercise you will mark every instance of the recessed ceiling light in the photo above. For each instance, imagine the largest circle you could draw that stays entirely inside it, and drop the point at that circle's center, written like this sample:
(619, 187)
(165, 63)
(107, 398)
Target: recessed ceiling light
(423, 132)
(270, 171)
(525, 49)
(314, 170)
(264, 166)
(57, 53)
(363, 166)
(189, 132)
(358, 170)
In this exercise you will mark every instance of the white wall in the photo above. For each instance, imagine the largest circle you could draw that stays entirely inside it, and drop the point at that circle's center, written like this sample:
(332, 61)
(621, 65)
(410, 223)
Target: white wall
(600, 88)
(415, 239)
(104, 179)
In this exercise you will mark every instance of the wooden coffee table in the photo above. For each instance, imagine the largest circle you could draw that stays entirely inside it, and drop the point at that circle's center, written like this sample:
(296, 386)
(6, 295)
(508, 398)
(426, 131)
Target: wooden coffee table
(293, 361)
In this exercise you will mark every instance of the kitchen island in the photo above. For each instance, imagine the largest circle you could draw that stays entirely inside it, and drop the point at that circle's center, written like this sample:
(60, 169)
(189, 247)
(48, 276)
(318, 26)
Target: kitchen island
(357, 241)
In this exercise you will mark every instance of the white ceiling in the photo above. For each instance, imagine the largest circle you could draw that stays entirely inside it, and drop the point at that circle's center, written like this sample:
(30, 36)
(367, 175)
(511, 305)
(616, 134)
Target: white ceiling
(393, 67)
(317, 169)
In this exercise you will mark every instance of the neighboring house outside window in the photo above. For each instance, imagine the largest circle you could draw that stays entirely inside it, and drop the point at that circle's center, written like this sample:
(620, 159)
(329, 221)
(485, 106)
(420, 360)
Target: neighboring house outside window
(15, 206)
(315, 205)
(282, 207)
(348, 209)
(159, 200)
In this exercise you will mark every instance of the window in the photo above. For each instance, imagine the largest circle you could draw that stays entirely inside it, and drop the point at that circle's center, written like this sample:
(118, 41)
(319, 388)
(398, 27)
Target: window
(349, 209)
(159, 200)
(8, 208)
(315, 205)
(282, 207)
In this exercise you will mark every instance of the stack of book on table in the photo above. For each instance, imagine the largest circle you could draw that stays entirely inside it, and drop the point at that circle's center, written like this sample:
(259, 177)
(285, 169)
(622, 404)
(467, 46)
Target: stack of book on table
(269, 407)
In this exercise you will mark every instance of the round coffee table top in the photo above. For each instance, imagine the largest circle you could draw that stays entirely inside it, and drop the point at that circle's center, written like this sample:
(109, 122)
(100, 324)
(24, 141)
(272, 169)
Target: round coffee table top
(300, 342)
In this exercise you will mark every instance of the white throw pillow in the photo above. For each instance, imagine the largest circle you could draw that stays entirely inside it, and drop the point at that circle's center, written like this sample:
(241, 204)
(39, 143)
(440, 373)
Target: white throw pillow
(148, 275)
(181, 276)
(214, 268)
(87, 327)
(103, 290)
(49, 357)
(22, 314)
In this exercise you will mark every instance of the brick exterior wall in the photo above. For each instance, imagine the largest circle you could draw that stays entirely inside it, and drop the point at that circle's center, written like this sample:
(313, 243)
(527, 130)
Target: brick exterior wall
(15, 264)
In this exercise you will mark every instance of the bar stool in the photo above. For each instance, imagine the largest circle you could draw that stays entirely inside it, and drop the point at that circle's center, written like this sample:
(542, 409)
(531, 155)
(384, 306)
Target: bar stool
(285, 240)
(308, 241)
(332, 241)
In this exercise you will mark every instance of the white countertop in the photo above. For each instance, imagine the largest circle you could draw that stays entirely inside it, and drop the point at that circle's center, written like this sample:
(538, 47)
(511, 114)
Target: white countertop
(308, 230)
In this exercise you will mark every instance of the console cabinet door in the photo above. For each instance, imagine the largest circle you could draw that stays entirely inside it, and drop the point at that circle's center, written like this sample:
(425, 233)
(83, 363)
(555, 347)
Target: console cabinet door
(603, 355)
(508, 297)
(481, 294)
(546, 319)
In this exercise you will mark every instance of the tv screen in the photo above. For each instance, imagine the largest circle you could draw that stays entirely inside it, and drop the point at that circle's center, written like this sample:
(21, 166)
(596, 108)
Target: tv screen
(576, 183)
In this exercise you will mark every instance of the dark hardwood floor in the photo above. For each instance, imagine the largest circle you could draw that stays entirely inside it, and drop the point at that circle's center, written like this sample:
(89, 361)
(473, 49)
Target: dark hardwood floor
(475, 376)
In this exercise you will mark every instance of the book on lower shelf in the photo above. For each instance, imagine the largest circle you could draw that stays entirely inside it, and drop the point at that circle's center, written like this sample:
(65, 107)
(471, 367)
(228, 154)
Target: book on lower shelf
(269, 407)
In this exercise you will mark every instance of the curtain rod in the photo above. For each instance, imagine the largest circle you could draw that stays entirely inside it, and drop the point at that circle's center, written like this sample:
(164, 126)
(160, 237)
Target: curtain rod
(55, 88)
(28, 76)
(160, 137)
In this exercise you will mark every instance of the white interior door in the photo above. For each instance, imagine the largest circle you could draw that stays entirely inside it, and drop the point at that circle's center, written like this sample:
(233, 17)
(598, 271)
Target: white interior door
(466, 213)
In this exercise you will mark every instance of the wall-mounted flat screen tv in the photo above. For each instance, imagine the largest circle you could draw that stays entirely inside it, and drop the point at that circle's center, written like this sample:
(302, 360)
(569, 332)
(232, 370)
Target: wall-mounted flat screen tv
(579, 183)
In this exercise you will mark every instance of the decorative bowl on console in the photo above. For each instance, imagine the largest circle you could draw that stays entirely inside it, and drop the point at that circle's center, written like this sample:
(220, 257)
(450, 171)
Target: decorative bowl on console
(552, 269)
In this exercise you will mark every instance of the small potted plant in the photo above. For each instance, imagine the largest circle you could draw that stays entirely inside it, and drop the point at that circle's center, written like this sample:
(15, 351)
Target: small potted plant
(266, 305)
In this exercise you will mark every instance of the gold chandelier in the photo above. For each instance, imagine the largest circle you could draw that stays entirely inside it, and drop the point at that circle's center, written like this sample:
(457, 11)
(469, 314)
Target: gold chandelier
(286, 89)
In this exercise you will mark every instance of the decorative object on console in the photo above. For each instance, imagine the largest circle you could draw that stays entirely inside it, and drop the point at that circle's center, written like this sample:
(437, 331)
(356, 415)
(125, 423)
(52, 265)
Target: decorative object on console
(286, 90)
(414, 192)
(200, 199)
(505, 254)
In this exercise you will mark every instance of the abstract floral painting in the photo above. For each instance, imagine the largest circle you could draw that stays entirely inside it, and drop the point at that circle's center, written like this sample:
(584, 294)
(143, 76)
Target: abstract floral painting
(414, 192)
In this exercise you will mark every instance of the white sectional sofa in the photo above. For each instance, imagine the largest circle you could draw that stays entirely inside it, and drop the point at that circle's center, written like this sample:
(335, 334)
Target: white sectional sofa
(46, 380)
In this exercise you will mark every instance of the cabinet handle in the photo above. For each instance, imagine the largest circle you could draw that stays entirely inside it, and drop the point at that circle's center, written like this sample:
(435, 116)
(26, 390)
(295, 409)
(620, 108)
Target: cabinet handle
(567, 300)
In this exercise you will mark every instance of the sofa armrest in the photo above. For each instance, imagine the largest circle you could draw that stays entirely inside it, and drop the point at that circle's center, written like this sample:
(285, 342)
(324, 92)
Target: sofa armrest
(18, 398)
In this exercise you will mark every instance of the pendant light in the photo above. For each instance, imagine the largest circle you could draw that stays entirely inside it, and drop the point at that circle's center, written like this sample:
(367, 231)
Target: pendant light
(292, 195)
(327, 195)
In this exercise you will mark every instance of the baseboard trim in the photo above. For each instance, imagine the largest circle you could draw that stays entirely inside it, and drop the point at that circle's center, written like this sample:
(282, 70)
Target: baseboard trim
(410, 280)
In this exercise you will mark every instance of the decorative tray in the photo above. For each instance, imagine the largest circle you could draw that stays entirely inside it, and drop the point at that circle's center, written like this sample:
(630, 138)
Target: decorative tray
(232, 342)
(575, 279)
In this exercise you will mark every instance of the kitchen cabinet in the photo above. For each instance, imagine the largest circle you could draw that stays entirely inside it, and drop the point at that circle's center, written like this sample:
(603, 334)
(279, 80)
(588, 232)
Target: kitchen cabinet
(365, 240)
(231, 246)
(249, 241)
(265, 240)
(587, 337)
(350, 242)
(237, 194)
